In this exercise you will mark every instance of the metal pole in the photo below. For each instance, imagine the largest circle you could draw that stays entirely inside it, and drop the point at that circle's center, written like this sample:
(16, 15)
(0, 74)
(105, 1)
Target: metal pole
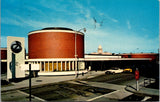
(29, 82)
(76, 68)
(76, 74)
(13, 66)
(137, 86)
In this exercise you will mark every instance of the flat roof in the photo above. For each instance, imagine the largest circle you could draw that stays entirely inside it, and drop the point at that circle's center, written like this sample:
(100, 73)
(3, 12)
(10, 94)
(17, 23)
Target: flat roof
(116, 59)
(57, 28)
(139, 53)
(89, 59)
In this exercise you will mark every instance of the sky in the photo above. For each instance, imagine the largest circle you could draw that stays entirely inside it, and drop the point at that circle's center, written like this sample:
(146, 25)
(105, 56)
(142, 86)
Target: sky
(119, 26)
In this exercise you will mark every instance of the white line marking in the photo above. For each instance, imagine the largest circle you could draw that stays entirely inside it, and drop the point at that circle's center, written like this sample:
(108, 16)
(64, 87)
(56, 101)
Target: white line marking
(146, 98)
(102, 95)
(31, 95)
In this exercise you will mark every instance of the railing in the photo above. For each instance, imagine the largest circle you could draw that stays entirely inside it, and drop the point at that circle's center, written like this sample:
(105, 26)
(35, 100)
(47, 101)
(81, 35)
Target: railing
(148, 81)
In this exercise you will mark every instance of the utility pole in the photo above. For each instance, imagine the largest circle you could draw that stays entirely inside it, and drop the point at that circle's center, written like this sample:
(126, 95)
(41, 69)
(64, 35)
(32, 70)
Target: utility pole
(76, 68)
(30, 82)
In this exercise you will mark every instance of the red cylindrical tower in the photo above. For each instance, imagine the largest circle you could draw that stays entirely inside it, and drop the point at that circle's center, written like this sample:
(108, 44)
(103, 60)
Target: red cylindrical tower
(55, 43)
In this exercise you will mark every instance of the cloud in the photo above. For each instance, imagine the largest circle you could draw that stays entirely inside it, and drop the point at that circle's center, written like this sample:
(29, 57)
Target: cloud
(71, 8)
(118, 41)
(103, 15)
(128, 24)
(81, 16)
(34, 9)
(112, 19)
(19, 20)
(10, 21)
(81, 13)
(74, 15)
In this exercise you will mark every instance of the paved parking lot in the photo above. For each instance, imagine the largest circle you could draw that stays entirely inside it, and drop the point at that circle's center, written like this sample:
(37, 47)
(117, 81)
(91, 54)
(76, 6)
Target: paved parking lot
(47, 79)
(94, 86)
(16, 95)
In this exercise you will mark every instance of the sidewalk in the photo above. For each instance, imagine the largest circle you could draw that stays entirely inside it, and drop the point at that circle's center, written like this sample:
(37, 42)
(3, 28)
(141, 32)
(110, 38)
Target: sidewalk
(119, 92)
(41, 80)
(145, 91)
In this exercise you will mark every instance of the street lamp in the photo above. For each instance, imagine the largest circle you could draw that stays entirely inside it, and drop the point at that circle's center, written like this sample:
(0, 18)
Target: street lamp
(76, 68)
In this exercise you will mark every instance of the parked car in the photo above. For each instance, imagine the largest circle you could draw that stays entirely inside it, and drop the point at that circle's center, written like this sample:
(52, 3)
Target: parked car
(114, 70)
(127, 70)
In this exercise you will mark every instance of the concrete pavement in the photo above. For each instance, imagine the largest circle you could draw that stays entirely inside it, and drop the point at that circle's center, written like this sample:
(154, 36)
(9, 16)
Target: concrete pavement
(12, 92)
(144, 91)
(41, 80)
(17, 95)
(118, 94)
(120, 91)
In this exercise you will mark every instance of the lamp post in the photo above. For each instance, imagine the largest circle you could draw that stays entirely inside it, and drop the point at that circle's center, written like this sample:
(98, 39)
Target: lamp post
(76, 68)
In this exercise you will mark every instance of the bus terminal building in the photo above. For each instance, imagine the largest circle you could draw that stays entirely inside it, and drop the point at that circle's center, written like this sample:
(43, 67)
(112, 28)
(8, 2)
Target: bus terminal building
(61, 50)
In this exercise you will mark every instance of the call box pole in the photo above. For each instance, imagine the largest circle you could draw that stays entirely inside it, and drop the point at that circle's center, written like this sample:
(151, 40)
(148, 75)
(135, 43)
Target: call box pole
(137, 86)
(29, 82)
(137, 78)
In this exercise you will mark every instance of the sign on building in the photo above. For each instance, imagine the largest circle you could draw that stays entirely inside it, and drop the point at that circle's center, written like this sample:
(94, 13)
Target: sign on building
(15, 57)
